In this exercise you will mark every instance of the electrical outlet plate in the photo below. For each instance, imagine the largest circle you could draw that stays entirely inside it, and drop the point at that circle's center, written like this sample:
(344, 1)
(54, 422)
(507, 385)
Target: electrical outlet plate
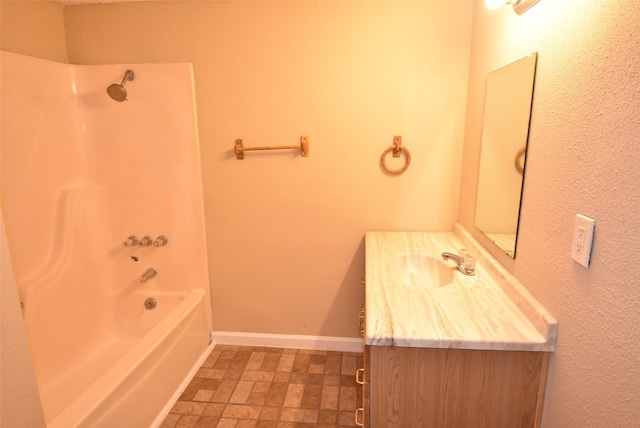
(583, 240)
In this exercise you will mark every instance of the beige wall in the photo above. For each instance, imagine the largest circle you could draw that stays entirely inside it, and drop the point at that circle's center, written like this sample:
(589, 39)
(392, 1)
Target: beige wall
(583, 158)
(34, 28)
(285, 233)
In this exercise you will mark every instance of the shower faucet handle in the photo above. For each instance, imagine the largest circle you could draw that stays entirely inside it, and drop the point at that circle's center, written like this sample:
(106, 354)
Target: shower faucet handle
(131, 241)
(145, 241)
(160, 241)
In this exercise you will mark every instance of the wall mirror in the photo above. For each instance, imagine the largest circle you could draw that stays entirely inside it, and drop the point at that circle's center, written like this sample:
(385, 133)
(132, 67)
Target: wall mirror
(505, 131)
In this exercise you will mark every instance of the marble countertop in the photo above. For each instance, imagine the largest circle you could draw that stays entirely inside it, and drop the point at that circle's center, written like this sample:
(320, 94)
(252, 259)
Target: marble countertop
(490, 310)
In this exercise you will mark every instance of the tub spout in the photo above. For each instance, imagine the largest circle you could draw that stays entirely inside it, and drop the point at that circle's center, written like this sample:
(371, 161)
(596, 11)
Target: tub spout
(148, 274)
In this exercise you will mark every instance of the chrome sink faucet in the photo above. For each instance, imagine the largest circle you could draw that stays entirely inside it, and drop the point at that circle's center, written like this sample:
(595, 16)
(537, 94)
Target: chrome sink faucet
(148, 274)
(465, 261)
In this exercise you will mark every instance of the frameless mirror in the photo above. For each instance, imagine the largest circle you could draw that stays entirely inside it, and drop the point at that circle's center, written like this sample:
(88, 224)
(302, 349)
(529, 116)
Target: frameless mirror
(505, 131)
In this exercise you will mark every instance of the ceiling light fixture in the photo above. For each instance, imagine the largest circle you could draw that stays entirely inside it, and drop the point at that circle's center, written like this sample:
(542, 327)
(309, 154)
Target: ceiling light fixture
(519, 6)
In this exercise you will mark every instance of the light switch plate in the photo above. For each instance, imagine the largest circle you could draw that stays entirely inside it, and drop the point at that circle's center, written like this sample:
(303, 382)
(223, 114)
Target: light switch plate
(583, 240)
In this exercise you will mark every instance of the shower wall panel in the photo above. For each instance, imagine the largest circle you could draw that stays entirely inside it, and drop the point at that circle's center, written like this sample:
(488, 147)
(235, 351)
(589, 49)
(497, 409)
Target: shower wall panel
(80, 173)
(137, 162)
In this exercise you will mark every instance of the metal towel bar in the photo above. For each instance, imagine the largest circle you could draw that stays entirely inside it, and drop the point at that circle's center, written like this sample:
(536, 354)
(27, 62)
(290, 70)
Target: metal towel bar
(303, 147)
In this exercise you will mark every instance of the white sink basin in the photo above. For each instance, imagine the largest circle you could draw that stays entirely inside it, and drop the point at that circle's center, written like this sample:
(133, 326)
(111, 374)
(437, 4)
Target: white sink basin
(414, 270)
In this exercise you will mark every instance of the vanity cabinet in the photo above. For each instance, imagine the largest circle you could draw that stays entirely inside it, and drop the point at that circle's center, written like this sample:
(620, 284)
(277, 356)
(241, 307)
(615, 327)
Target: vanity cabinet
(448, 350)
(446, 388)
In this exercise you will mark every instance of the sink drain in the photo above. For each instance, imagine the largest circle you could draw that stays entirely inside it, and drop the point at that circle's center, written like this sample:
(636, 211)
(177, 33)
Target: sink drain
(150, 303)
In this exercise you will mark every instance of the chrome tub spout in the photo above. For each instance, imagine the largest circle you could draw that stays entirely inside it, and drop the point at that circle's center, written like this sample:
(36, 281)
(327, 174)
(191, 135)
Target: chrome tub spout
(148, 274)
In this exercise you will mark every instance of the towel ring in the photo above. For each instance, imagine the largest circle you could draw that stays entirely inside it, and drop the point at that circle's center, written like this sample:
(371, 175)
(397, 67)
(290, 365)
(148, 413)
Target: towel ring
(397, 148)
(520, 160)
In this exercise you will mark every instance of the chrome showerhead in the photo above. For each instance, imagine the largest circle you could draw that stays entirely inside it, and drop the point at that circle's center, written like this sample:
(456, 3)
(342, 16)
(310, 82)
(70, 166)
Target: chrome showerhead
(117, 91)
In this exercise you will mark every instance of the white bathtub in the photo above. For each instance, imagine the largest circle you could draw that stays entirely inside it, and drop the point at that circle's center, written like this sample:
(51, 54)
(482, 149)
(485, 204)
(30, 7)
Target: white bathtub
(128, 379)
(77, 187)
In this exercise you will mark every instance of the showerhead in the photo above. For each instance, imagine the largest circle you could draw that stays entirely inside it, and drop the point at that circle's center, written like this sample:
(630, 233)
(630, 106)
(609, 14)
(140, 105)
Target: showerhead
(117, 91)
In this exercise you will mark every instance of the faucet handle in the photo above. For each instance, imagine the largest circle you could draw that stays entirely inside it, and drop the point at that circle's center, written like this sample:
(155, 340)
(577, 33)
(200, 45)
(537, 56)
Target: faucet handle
(131, 241)
(145, 241)
(469, 262)
(160, 241)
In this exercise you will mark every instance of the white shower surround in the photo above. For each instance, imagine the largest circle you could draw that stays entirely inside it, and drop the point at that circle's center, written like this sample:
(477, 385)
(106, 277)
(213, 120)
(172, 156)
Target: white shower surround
(80, 173)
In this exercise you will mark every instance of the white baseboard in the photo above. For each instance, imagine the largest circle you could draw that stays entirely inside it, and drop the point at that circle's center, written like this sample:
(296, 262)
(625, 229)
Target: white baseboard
(324, 343)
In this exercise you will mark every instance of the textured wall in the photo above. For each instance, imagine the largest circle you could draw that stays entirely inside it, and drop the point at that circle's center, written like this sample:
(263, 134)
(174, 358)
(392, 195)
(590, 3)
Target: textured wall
(19, 400)
(285, 234)
(583, 158)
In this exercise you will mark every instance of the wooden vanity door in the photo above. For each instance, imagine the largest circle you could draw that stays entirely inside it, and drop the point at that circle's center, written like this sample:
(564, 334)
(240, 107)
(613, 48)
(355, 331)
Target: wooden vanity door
(455, 388)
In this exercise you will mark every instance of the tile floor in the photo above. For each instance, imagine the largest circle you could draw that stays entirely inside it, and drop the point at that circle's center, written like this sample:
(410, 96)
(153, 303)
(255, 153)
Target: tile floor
(241, 387)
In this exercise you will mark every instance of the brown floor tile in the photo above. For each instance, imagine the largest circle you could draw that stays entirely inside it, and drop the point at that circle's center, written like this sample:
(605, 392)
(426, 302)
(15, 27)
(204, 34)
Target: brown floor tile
(276, 394)
(318, 359)
(192, 389)
(224, 391)
(188, 408)
(270, 413)
(348, 380)
(241, 411)
(267, 424)
(285, 363)
(333, 364)
(210, 373)
(346, 419)
(307, 378)
(241, 392)
(227, 423)
(260, 387)
(311, 397)
(316, 368)
(170, 420)
(257, 398)
(228, 354)
(233, 374)
(211, 359)
(257, 375)
(299, 415)
(213, 409)
(348, 365)
(293, 398)
(282, 377)
(329, 417)
(207, 422)
(331, 380)
(347, 398)
(301, 363)
(255, 361)
(207, 383)
(271, 361)
(203, 395)
(330, 397)
(240, 360)
(222, 364)
(187, 421)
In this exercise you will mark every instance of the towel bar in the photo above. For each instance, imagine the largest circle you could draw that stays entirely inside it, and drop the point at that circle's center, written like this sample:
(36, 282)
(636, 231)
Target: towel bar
(304, 147)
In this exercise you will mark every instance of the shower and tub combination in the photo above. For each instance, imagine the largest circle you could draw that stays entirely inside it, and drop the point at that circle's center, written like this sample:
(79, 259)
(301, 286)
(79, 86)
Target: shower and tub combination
(114, 327)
